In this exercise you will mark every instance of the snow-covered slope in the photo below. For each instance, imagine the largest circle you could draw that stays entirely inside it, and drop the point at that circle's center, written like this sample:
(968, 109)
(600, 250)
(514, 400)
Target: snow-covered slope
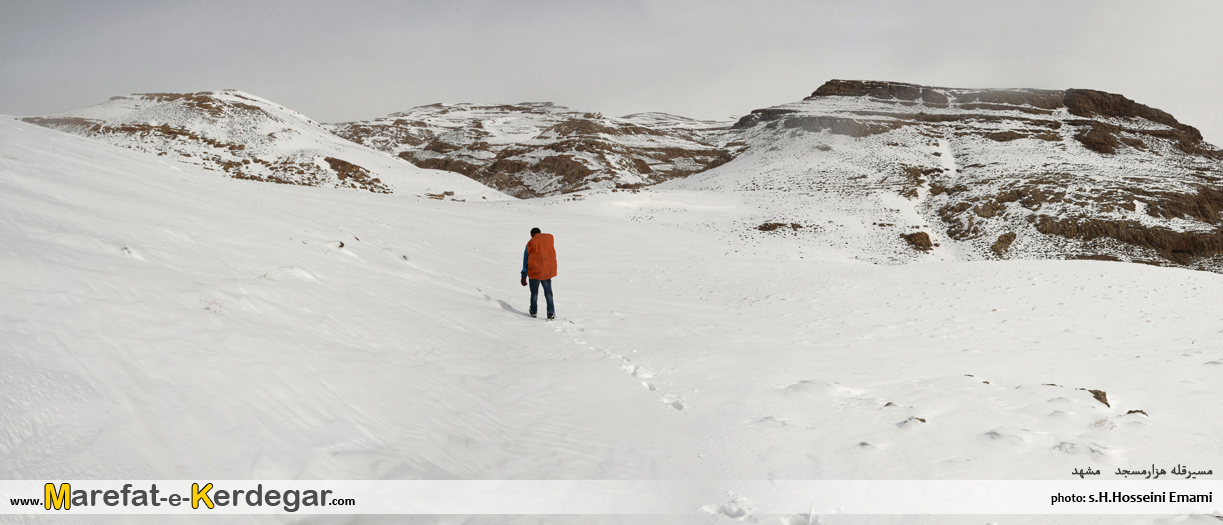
(893, 172)
(160, 322)
(252, 138)
(536, 149)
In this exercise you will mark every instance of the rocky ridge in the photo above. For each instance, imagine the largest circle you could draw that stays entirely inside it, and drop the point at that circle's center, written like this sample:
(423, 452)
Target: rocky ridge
(538, 149)
(883, 171)
(236, 133)
(993, 173)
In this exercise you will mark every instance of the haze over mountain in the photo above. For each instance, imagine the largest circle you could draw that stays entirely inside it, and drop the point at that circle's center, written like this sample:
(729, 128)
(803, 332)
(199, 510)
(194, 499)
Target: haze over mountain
(706, 60)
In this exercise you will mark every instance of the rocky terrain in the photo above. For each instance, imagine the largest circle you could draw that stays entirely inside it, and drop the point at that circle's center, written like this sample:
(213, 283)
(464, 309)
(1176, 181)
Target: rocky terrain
(903, 172)
(881, 171)
(537, 149)
(241, 135)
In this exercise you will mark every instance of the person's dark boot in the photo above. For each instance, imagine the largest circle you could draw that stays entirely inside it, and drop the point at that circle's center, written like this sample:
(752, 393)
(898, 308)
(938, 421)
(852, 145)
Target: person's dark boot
(551, 316)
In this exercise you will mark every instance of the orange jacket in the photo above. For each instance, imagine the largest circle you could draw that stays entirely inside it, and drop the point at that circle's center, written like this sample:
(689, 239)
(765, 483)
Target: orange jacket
(541, 257)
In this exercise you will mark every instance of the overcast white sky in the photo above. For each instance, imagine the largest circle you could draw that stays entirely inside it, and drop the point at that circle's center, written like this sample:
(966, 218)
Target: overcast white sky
(339, 61)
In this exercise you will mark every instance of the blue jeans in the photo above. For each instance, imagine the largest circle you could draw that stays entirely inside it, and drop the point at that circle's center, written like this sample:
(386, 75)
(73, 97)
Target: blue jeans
(547, 295)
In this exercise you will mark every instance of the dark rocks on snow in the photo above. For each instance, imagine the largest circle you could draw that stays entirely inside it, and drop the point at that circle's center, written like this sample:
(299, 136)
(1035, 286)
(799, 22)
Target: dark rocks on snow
(1003, 243)
(919, 241)
(770, 226)
(1100, 396)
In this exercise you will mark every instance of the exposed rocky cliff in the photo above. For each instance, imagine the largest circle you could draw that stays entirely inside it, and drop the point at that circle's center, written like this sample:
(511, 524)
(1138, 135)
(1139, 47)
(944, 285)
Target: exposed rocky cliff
(537, 149)
(987, 173)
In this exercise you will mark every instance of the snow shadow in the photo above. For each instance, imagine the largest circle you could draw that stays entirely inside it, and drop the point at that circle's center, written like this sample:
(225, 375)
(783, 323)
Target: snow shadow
(507, 307)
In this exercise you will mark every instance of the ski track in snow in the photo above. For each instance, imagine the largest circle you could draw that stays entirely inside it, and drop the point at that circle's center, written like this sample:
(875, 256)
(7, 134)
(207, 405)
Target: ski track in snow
(170, 324)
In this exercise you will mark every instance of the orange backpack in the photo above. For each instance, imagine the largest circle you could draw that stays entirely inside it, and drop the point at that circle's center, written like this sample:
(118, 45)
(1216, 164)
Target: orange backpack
(541, 257)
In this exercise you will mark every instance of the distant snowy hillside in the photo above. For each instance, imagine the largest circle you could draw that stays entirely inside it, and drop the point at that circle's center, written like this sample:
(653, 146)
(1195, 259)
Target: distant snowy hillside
(537, 149)
(248, 137)
(893, 172)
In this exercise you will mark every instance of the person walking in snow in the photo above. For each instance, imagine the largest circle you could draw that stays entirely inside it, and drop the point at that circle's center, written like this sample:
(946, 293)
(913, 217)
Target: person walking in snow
(539, 267)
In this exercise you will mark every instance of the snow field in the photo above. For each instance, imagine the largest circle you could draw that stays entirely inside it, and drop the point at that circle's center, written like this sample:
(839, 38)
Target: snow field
(167, 323)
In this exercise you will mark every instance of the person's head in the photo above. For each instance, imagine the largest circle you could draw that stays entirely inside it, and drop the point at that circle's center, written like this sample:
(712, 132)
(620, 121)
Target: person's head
(535, 231)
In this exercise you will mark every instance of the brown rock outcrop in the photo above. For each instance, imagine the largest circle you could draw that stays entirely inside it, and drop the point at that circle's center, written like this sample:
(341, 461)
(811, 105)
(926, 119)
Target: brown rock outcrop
(1078, 173)
(539, 149)
(919, 241)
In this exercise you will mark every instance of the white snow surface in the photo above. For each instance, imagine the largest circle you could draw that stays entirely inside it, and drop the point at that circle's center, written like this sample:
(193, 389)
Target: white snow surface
(162, 321)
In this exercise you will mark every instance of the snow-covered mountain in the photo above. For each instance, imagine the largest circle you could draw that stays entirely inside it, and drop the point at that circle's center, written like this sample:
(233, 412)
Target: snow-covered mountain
(248, 137)
(537, 149)
(894, 172)
(882, 171)
(885, 171)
